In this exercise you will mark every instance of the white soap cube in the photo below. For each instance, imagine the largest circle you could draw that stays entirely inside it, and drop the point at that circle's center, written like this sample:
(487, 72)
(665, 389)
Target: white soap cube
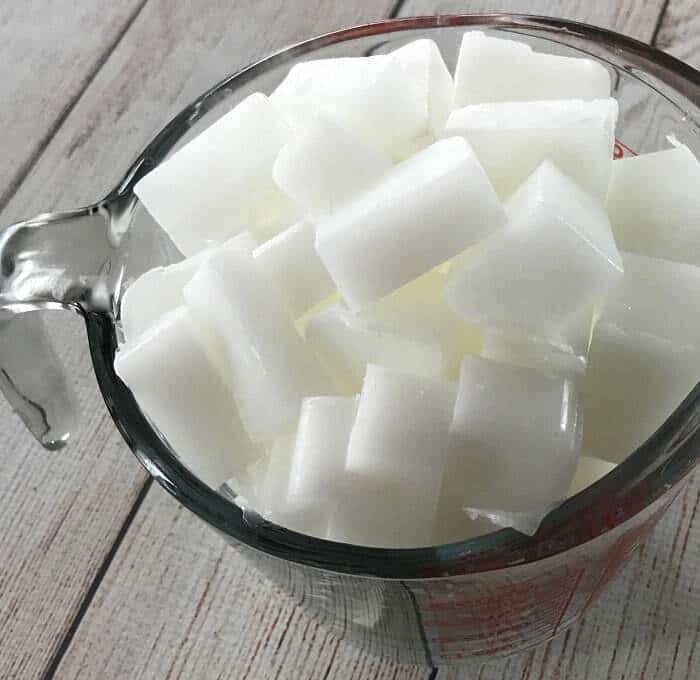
(422, 61)
(588, 471)
(291, 261)
(553, 263)
(270, 367)
(268, 481)
(270, 477)
(319, 453)
(154, 294)
(644, 357)
(346, 343)
(377, 513)
(512, 138)
(567, 355)
(220, 183)
(425, 211)
(400, 434)
(181, 390)
(323, 165)
(497, 70)
(654, 204)
(159, 290)
(418, 311)
(514, 438)
(370, 96)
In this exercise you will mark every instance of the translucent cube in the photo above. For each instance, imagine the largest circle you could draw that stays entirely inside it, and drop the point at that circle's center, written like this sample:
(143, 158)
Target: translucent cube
(514, 439)
(644, 357)
(291, 261)
(159, 290)
(370, 96)
(512, 138)
(425, 211)
(319, 453)
(270, 368)
(567, 355)
(551, 265)
(497, 70)
(418, 311)
(400, 436)
(182, 391)
(323, 165)
(154, 294)
(422, 61)
(220, 183)
(345, 343)
(377, 513)
(654, 204)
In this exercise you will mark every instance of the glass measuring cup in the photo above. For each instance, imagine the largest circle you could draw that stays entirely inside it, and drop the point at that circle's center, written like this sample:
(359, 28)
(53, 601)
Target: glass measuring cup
(492, 595)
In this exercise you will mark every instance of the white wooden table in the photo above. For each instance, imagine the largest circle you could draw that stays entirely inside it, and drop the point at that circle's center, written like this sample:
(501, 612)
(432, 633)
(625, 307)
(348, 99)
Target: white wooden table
(102, 575)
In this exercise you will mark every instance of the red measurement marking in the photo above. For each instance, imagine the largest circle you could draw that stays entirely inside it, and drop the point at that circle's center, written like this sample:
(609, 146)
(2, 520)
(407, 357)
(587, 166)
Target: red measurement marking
(622, 150)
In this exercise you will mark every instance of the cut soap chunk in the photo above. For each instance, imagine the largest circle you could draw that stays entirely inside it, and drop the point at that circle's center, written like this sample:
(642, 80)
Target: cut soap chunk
(346, 344)
(588, 471)
(654, 204)
(267, 482)
(418, 311)
(422, 61)
(512, 138)
(514, 439)
(425, 211)
(549, 267)
(323, 165)
(181, 390)
(378, 513)
(396, 455)
(154, 294)
(497, 70)
(370, 96)
(644, 357)
(291, 261)
(400, 434)
(159, 290)
(220, 183)
(320, 450)
(271, 369)
(568, 355)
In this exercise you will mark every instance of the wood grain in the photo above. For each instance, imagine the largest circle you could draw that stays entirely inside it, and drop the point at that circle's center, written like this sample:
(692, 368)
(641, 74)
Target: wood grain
(62, 512)
(175, 601)
(216, 618)
(630, 17)
(679, 32)
(50, 50)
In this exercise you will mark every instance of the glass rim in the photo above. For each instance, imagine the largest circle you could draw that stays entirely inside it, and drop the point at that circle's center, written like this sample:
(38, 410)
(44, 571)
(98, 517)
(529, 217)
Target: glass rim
(646, 475)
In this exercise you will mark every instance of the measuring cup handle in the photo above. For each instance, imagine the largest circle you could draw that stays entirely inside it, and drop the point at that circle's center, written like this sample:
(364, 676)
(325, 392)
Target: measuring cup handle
(60, 260)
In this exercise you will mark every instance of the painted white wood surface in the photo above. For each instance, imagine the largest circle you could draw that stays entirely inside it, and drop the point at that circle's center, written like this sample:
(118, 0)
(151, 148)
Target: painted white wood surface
(175, 601)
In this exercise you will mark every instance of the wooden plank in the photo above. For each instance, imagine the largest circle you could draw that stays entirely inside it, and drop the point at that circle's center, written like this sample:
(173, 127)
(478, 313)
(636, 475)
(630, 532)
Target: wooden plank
(179, 603)
(176, 602)
(61, 513)
(55, 551)
(630, 17)
(679, 31)
(47, 63)
(49, 52)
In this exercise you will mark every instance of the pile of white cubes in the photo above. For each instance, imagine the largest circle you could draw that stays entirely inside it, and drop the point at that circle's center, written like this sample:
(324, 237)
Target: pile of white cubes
(415, 308)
